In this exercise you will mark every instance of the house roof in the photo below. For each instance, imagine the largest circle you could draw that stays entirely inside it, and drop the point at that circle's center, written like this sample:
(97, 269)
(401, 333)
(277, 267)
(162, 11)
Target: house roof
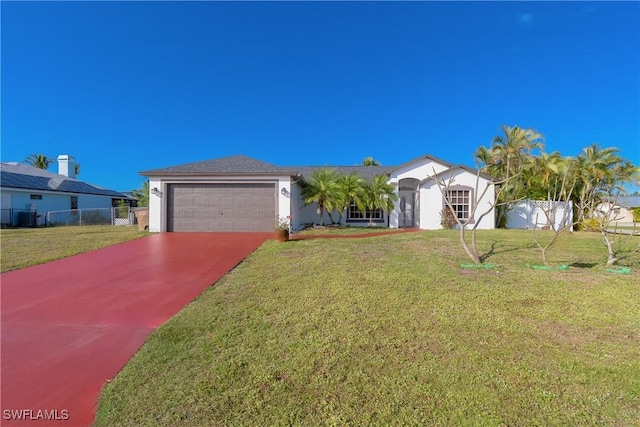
(445, 173)
(628, 202)
(366, 172)
(243, 165)
(17, 175)
(231, 165)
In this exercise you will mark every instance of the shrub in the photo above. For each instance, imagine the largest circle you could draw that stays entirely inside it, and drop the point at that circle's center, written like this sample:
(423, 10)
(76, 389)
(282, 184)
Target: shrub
(590, 224)
(447, 218)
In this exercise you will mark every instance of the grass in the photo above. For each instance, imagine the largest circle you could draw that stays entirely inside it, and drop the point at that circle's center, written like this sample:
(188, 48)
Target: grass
(344, 230)
(24, 247)
(391, 331)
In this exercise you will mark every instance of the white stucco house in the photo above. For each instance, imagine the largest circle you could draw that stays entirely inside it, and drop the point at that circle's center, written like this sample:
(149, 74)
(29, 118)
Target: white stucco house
(239, 193)
(619, 210)
(27, 193)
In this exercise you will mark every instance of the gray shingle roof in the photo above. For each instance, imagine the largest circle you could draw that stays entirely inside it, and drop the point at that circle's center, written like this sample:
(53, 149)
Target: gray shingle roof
(223, 165)
(243, 165)
(629, 201)
(16, 175)
(366, 172)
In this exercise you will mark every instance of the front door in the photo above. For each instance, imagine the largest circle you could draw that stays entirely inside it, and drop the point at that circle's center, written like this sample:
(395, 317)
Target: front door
(407, 209)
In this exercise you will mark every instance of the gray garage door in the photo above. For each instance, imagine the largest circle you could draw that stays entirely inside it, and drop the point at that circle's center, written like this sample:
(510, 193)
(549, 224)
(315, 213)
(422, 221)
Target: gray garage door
(221, 207)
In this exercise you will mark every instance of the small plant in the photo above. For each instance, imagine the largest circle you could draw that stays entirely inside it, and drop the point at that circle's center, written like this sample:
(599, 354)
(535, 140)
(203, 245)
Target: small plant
(447, 218)
(589, 224)
(283, 223)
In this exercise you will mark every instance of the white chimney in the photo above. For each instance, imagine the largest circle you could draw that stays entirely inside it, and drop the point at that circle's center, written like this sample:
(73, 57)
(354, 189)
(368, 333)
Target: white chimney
(67, 165)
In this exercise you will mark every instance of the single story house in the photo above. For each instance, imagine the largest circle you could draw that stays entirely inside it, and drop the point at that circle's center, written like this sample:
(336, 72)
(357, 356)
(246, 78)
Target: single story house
(239, 193)
(28, 193)
(619, 209)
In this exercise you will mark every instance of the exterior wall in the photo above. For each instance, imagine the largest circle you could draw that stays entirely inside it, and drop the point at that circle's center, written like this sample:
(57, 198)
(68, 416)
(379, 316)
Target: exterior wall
(158, 203)
(615, 212)
(431, 201)
(419, 169)
(157, 210)
(303, 215)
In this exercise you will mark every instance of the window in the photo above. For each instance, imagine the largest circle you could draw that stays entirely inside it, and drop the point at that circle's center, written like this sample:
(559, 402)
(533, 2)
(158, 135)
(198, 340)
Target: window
(35, 196)
(355, 214)
(74, 202)
(461, 199)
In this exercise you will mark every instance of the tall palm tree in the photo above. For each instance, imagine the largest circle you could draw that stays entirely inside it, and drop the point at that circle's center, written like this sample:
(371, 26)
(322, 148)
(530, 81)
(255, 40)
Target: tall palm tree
(512, 155)
(596, 170)
(379, 194)
(39, 161)
(322, 189)
(350, 189)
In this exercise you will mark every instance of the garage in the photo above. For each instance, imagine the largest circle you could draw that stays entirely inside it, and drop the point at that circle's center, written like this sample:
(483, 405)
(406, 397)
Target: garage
(221, 206)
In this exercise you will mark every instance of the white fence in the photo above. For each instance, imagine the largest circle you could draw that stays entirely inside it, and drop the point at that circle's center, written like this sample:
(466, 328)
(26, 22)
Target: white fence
(540, 214)
(101, 216)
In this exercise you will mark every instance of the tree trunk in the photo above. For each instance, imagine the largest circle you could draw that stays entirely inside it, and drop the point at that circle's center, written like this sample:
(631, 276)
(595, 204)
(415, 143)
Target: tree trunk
(612, 259)
(473, 255)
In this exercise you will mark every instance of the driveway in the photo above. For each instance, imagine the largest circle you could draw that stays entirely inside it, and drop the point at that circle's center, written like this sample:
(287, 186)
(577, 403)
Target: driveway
(69, 326)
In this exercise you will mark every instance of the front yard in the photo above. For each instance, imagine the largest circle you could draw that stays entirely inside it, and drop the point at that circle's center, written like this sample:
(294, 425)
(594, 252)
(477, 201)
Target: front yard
(391, 330)
(24, 247)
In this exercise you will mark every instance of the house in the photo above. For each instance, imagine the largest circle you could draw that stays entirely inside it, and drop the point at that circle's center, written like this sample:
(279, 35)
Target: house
(29, 193)
(239, 193)
(620, 209)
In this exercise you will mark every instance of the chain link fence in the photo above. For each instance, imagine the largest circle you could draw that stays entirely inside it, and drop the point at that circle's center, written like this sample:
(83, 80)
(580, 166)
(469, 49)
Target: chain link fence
(102, 216)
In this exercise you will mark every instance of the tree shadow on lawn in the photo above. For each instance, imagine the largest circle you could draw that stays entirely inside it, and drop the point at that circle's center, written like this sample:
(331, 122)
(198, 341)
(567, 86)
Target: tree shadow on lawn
(501, 250)
(583, 264)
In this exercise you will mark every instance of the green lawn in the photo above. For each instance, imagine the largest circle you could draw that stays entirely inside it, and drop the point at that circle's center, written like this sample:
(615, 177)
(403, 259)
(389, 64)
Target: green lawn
(24, 247)
(340, 230)
(391, 331)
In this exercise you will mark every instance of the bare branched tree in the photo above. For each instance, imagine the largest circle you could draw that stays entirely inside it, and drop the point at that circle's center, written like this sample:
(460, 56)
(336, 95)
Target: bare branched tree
(470, 248)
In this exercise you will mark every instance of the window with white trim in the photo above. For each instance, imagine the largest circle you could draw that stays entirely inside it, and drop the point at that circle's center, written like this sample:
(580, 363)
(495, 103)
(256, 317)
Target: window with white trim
(461, 202)
(354, 214)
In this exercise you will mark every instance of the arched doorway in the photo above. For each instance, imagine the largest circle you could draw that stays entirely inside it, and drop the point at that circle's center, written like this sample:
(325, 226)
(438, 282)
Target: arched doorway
(408, 195)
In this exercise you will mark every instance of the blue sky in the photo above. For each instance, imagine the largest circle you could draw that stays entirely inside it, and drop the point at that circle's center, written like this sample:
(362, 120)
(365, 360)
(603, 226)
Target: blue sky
(130, 86)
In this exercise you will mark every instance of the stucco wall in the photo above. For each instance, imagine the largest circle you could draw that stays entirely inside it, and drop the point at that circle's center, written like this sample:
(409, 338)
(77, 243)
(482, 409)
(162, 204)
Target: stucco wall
(418, 169)
(431, 200)
(158, 204)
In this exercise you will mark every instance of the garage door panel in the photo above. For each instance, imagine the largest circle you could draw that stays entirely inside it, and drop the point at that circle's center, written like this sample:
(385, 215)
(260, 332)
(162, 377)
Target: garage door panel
(221, 207)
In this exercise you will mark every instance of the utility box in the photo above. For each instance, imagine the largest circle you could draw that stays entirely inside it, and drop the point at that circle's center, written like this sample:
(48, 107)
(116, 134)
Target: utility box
(27, 219)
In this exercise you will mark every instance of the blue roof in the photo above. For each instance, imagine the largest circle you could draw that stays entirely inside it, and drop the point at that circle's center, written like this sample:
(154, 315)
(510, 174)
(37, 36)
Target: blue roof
(16, 175)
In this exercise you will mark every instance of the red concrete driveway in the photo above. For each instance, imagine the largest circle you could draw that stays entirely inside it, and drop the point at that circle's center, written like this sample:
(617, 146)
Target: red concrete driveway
(69, 326)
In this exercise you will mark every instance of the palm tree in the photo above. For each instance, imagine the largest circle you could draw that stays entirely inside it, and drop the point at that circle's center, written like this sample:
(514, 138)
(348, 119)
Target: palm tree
(39, 161)
(485, 159)
(368, 161)
(379, 194)
(511, 156)
(322, 189)
(596, 170)
(350, 189)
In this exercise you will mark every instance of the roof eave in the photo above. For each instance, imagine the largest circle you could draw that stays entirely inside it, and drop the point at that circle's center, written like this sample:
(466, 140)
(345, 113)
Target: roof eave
(216, 174)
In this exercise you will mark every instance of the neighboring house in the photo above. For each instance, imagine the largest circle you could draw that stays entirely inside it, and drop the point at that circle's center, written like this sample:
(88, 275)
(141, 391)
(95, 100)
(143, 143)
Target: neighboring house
(621, 209)
(239, 193)
(28, 193)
